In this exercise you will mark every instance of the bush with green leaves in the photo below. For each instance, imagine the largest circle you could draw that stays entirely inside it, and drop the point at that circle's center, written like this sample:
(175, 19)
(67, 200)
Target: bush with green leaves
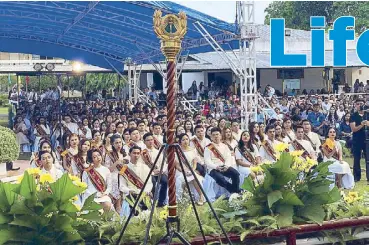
(293, 195)
(41, 211)
(9, 149)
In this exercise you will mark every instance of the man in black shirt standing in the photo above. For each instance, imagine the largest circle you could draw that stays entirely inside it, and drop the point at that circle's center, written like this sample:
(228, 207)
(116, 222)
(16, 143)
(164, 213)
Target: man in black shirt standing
(357, 124)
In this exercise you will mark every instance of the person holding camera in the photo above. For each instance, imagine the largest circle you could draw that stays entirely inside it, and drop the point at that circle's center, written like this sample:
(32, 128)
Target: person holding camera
(358, 121)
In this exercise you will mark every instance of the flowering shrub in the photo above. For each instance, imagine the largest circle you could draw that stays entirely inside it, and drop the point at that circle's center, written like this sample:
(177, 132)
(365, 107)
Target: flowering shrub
(40, 210)
(293, 190)
(9, 149)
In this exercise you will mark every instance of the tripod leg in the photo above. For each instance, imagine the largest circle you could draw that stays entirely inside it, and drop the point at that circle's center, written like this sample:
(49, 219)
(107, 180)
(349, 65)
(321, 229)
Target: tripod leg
(181, 238)
(138, 199)
(206, 197)
(156, 196)
(189, 191)
(170, 237)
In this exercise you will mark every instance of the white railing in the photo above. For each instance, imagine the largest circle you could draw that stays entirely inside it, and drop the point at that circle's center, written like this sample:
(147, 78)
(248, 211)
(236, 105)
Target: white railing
(187, 104)
(32, 62)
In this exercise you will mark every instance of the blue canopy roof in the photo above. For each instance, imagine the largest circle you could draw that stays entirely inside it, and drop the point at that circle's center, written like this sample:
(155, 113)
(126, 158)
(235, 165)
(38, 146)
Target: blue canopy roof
(99, 33)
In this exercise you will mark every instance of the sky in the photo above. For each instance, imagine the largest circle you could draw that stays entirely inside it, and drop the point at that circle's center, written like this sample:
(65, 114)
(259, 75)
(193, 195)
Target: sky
(225, 10)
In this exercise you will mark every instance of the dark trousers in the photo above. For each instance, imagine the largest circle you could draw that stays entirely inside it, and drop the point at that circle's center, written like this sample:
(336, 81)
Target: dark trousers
(163, 188)
(220, 179)
(201, 169)
(357, 150)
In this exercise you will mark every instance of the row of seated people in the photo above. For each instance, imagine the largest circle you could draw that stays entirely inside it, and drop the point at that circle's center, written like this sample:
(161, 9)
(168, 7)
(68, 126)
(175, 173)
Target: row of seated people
(220, 164)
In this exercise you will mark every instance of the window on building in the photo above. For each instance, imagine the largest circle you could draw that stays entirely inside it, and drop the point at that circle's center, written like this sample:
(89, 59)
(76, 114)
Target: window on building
(290, 73)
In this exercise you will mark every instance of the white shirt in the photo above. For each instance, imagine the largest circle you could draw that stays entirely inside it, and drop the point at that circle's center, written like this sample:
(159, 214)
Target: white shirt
(142, 171)
(264, 153)
(307, 146)
(212, 162)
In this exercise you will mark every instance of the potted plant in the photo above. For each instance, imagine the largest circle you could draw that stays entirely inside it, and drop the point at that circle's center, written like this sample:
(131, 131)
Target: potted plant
(9, 149)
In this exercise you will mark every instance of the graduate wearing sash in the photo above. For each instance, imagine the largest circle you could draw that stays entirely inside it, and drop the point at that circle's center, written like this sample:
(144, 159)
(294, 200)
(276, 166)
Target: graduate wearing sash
(98, 180)
(247, 155)
(131, 181)
(67, 155)
(193, 159)
(267, 151)
(299, 144)
(218, 161)
(36, 161)
(79, 161)
(113, 160)
(199, 142)
(148, 156)
(312, 137)
(332, 152)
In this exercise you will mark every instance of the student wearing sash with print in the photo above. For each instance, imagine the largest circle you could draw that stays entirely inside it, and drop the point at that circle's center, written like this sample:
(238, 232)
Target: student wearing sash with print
(67, 155)
(158, 135)
(332, 152)
(279, 134)
(310, 136)
(35, 159)
(288, 131)
(47, 162)
(133, 176)
(228, 140)
(79, 161)
(247, 155)
(299, 144)
(41, 131)
(98, 180)
(256, 135)
(113, 160)
(267, 151)
(236, 131)
(193, 159)
(84, 132)
(148, 156)
(199, 142)
(218, 161)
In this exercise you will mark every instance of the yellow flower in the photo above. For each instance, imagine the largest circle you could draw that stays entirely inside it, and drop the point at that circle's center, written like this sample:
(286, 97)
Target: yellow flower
(34, 171)
(311, 162)
(163, 214)
(75, 198)
(281, 147)
(266, 162)
(353, 194)
(73, 177)
(19, 179)
(77, 206)
(296, 153)
(80, 184)
(352, 197)
(256, 169)
(46, 178)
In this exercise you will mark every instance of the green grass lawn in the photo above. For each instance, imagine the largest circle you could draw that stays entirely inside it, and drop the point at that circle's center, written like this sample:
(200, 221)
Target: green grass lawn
(361, 186)
(4, 111)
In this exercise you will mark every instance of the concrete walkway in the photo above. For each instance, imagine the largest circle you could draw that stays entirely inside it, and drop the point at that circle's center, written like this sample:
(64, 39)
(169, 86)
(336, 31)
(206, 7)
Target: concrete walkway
(12, 176)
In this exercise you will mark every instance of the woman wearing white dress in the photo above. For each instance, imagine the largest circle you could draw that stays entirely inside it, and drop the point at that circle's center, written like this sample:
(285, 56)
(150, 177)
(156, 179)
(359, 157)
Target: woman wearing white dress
(48, 165)
(332, 152)
(42, 130)
(247, 155)
(35, 159)
(112, 159)
(193, 159)
(98, 180)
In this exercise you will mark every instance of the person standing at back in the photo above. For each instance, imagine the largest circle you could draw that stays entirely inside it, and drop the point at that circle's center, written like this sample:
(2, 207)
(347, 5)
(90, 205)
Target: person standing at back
(358, 121)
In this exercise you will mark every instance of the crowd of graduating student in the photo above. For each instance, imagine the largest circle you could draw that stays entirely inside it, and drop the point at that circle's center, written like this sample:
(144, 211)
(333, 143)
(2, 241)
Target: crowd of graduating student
(111, 146)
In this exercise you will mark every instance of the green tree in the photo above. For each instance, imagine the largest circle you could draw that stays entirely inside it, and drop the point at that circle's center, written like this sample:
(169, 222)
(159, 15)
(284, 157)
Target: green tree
(357, 9)
(297, 13)
(98, 81)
